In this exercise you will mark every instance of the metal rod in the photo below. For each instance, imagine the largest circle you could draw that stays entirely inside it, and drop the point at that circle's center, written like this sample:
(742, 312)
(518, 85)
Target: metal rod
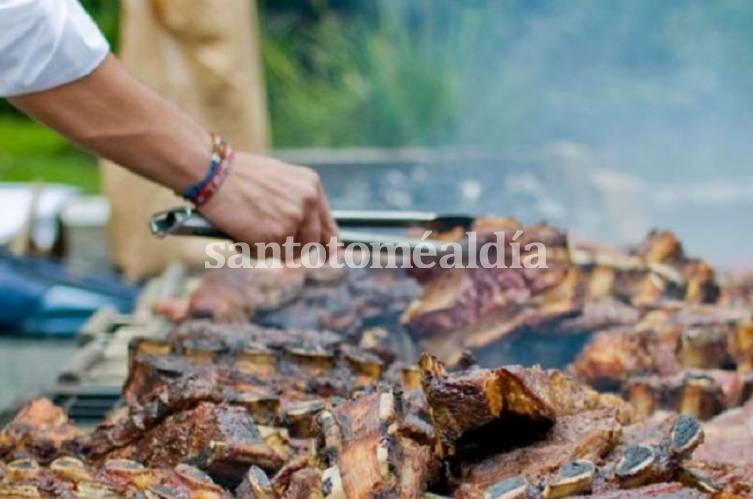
(187, 222)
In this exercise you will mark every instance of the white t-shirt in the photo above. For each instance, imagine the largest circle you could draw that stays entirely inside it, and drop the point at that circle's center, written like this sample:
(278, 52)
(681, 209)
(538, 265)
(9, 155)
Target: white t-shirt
(46, 43)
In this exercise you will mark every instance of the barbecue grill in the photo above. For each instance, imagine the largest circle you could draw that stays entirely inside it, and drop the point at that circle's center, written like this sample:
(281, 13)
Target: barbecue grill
(312, 382)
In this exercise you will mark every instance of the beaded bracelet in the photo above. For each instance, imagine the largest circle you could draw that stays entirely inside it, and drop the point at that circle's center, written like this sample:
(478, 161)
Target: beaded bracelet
(219, 168)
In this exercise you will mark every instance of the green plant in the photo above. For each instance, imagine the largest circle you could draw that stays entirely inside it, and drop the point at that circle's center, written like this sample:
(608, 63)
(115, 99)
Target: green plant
(496, 73)
(355, 81)
(30, 152)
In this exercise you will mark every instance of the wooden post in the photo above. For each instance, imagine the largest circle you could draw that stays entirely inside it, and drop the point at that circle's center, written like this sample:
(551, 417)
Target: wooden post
(205, 56)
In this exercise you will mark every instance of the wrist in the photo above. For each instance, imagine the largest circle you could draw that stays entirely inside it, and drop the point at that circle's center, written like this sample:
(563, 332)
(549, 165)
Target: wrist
(192, 156)
(218, 168)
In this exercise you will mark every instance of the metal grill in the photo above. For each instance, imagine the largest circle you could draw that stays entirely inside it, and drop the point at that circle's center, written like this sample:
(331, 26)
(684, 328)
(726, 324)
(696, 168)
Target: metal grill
(89, 386)
(87, 405)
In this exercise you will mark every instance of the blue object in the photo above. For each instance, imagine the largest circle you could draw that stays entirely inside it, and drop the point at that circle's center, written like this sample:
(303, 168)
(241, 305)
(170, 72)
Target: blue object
(43, 297)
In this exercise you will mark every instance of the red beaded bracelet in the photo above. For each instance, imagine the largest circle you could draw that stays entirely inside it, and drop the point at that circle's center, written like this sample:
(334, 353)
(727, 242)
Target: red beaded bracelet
(216, 180)
(219, 168)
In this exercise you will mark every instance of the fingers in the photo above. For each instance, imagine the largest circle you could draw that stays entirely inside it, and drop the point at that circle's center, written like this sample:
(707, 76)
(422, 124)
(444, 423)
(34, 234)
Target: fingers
(311, 228)
(328, 224)
(284, 201)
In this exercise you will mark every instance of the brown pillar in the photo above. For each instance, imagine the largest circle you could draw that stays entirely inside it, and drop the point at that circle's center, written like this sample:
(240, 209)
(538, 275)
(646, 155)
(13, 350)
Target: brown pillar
(205, 56)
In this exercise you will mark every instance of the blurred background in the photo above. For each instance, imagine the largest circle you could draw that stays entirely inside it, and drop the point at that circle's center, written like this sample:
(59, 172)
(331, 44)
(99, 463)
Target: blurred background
(648, 105)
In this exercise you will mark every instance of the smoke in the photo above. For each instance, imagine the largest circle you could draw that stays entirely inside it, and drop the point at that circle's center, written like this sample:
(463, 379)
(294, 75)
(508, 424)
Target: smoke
(644, 108)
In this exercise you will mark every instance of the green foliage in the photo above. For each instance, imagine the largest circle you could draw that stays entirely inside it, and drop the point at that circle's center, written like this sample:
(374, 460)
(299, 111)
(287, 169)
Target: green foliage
(106, 13)
(30, 152)
(501, 72)
(359, 81)
(343, 73)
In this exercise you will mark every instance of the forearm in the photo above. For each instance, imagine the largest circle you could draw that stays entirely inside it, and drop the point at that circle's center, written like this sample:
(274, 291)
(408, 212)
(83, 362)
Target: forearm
(114, 115)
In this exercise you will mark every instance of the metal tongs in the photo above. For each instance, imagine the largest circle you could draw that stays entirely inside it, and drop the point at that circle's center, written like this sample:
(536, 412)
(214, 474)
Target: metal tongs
(188, 222)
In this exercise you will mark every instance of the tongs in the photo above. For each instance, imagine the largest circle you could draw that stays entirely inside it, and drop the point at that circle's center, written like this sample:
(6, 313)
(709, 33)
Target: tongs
(188, 222)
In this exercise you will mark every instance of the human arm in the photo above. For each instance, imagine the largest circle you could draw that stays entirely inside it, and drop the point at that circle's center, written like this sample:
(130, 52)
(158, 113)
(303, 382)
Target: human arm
(114, 115)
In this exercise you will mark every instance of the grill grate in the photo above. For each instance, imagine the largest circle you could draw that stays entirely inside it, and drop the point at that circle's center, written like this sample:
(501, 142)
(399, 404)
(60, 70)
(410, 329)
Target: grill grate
(89, 386)
(87, 405)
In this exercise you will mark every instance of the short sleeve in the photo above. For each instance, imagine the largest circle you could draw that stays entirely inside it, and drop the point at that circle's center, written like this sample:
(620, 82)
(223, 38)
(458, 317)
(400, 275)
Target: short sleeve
(46, 43)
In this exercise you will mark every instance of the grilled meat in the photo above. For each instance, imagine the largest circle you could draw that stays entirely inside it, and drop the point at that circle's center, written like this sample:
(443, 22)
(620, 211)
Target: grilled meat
(723, 464)
(701, 393)
(231, 295)
(68, 477)
(511, 431)
(237, 337)
(587, 435)
(719, 480)
(666, 340)
(255, 485)
(666, 490)
(466, 308)
(679, 358)
(657, 268)
(366, 450)
(729, 437)
(583, 289)
(40, 431)
(515, 422)
(612, 357)
(378, 444)
(312, 400)
(467, 404)
(266, 370)
(325, 298)
(472, 432)
(217, 438)
(601, 313)
(231, 375)
(582, 457)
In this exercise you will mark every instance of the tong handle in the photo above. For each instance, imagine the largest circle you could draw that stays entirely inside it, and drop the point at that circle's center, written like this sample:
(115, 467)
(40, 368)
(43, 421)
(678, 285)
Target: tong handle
(183, 222)
(402, 219)
(383, 218)
(188, 222)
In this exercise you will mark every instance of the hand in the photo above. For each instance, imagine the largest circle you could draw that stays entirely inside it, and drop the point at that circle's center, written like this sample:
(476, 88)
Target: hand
(119, 118)
(266, 201)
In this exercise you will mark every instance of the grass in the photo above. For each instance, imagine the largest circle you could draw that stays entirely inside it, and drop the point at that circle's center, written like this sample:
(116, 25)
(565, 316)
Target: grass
(30, 152)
